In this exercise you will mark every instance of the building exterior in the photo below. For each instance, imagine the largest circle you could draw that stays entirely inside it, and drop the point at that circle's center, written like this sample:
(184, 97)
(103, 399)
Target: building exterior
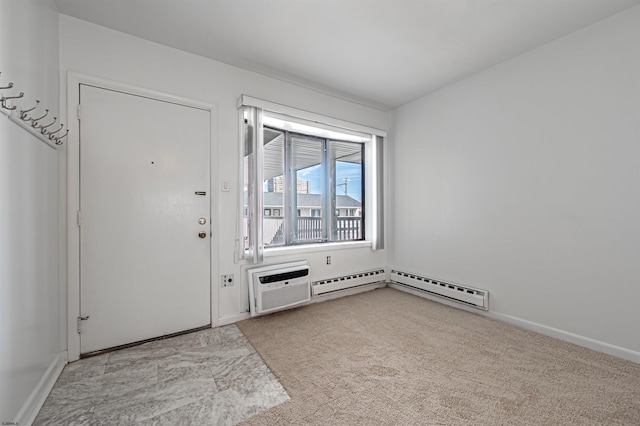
(310, 205)
(276, 184)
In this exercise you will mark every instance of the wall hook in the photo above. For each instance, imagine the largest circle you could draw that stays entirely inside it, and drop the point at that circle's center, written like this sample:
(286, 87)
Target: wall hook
(34, 123)
(61, 137)
(43, 129)
(6, 98)
(7, 87)
(52, 135)
(25, 118)
(23, 112)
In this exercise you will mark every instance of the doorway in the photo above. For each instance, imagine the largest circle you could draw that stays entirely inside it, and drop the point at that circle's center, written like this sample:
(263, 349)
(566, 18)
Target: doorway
(144, 217)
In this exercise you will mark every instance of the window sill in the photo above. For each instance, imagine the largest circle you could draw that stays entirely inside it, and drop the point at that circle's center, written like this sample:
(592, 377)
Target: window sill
(311, 248)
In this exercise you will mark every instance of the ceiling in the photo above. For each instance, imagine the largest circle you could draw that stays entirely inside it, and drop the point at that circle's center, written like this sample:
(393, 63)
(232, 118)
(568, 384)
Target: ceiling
(382, 53)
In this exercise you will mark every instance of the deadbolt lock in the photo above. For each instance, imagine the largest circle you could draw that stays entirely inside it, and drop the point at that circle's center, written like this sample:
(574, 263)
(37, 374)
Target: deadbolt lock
(202, 221)
(202, 234)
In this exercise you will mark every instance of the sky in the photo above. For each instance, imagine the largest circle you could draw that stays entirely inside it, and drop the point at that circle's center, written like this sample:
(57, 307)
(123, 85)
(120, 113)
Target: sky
(350, 171)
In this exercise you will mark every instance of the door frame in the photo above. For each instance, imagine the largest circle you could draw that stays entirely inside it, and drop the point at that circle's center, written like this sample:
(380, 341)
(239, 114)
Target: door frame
(73, 194)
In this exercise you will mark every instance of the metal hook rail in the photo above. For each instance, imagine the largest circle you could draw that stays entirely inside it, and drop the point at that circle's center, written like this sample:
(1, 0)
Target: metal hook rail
(31, 120)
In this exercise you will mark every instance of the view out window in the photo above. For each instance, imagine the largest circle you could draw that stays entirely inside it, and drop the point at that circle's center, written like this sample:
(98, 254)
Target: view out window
(307, 175)
(311, 177)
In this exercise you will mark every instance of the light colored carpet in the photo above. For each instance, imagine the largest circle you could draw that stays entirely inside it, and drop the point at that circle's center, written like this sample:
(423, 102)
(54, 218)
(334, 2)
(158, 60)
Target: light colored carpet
(390, 358)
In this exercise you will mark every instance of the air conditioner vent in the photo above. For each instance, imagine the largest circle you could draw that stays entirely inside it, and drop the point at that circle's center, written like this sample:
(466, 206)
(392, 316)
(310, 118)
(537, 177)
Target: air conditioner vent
(276, 287)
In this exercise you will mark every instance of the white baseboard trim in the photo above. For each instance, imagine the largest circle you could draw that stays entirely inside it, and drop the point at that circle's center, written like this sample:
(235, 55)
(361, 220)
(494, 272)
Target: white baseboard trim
(234, 318)
(576, 339)
(35, 401)
(566, 336)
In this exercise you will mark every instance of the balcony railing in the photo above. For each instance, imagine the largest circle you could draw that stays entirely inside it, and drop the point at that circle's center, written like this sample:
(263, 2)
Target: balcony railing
(349, 228)
(310, 229)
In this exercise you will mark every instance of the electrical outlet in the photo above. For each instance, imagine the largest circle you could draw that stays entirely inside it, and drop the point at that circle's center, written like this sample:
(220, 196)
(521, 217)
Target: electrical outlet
(226, 280)
(328, 260)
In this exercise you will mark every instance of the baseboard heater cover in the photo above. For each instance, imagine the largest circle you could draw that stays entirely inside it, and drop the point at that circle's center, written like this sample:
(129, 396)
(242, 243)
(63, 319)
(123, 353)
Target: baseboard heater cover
(347, 281)
(468, 296)
(274, 288)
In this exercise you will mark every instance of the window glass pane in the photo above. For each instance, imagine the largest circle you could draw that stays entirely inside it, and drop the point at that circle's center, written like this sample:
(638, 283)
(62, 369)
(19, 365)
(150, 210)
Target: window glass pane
(349, 190)
(309, 174)
(273, 188)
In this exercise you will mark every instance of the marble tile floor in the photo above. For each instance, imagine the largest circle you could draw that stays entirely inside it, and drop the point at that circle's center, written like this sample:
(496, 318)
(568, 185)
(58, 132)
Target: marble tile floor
(210, 377)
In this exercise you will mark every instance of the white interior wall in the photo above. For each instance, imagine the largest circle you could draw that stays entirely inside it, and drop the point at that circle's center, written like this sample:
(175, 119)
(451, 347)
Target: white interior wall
(30, 332)
(524, 180)
(99, 52)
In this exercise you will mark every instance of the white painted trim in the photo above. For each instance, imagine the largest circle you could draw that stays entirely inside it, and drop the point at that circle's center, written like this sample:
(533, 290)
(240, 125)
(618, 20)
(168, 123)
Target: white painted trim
(38, 396)
(234, 318)
(566, 336)
(215, 211)
(312, 248)
(73, 205)
(307, 115)
(73, 193)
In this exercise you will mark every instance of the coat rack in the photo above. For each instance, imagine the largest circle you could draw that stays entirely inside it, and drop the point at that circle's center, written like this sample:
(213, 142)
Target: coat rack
(36, 122)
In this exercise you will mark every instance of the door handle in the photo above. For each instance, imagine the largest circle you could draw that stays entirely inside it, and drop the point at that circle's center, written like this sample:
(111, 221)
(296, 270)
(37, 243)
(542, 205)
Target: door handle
(202, 234)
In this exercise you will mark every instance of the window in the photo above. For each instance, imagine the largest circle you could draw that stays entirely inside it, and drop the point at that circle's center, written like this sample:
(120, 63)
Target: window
(306, 175)
(311, 174)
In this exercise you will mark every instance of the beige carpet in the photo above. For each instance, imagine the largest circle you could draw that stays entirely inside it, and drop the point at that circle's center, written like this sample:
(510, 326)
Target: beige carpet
(390, 358)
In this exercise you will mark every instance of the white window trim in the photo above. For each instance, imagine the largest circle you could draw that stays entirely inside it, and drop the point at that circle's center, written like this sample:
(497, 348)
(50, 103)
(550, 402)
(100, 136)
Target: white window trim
(307, 115)
(312, 248)
(374, 222)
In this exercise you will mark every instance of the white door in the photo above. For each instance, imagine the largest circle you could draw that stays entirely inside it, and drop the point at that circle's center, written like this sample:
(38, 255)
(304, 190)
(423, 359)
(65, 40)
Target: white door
(144, 193)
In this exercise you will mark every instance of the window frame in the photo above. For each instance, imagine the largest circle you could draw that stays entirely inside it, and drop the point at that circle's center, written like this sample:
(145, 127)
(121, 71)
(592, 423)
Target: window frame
(250, 130)
(291, 213)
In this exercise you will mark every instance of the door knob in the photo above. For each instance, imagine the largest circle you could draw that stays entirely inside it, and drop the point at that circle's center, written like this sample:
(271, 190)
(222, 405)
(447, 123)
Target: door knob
(202, 234)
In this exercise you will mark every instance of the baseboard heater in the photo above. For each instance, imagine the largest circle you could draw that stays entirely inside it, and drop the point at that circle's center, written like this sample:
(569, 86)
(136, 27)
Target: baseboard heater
(455, 292)
(277, 287)
(347, 281)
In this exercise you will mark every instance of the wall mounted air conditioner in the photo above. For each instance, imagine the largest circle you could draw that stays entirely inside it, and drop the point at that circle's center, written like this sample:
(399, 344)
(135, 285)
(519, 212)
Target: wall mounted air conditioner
(276, 287)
